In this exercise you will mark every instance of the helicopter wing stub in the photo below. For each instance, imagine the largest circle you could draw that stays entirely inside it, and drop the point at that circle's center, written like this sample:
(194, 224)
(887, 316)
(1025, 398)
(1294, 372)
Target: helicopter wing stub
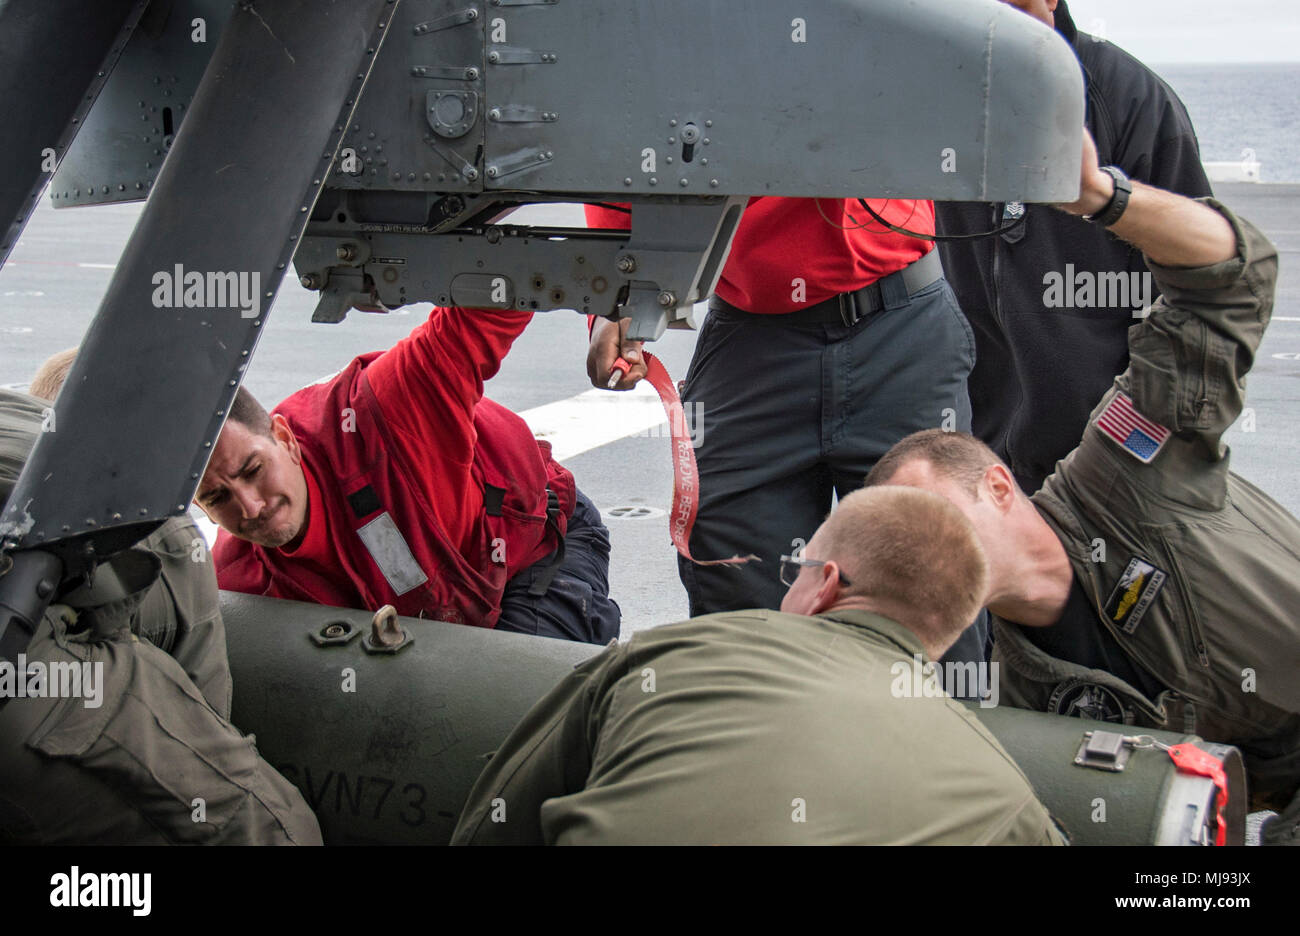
(676, 105)
(126, 136)
(54, 58)
(148, 394)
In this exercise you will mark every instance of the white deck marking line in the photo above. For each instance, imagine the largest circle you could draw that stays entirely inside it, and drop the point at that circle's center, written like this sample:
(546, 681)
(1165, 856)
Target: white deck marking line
(595, 418)
(590, 419)
(61, 263)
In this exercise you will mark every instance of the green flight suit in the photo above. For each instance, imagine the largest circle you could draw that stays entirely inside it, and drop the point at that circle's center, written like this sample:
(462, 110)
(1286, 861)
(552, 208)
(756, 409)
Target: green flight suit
(1215, 613)
(150, 755)
(753, 727)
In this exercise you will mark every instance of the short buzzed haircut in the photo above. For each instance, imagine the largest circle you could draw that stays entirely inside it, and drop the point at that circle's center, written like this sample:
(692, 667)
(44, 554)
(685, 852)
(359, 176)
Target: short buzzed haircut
(51, 375)
(246, 410)
(957, 456)
(913, 555)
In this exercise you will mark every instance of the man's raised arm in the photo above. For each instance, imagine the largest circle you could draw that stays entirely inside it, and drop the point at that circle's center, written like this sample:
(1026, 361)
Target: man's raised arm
(1217, 274)
(429, 382)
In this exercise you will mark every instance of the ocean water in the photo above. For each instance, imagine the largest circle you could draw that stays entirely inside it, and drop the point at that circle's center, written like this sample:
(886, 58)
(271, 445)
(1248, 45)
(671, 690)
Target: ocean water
(1244, 109)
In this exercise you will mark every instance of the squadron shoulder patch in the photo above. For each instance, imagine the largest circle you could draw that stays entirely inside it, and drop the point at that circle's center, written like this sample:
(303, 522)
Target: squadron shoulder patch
(1078, 698)
(1137, 588)
(1135, 434)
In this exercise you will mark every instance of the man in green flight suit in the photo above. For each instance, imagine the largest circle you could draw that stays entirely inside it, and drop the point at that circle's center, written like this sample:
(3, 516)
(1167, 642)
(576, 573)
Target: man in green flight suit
(141, 751)
(1145, 583)
(770, 727)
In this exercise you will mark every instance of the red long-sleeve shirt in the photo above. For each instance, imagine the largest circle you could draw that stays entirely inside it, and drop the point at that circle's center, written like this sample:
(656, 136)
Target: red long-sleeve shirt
(411, 426)
(790, 253)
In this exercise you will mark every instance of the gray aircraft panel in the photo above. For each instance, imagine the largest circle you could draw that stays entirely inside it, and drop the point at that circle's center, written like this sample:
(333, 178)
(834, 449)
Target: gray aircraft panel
(148, 393)
(842, 97)
(120, 149)
(54, 59)
(928, 98)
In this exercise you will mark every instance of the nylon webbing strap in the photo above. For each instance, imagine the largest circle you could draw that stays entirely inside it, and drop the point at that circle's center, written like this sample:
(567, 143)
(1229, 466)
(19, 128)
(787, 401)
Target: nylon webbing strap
(686, 479)
(1191, 759)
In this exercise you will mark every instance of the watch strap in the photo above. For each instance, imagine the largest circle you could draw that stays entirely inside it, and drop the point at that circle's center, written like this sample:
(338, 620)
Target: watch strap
(1118, 202)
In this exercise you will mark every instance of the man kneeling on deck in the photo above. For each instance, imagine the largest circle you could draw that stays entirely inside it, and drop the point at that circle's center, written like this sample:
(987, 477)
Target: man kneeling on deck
(778, 727)
(397, 482)
(1145, 583)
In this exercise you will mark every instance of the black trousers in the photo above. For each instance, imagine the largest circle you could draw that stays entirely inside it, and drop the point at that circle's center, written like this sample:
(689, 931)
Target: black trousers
(787, 416)
(577, 605)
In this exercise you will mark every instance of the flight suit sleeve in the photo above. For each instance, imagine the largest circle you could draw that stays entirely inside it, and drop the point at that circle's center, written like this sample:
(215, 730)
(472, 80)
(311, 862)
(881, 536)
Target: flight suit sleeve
(1188, 362)
(548, 754)
(1190, 356)
(138, 756)
(187, 592)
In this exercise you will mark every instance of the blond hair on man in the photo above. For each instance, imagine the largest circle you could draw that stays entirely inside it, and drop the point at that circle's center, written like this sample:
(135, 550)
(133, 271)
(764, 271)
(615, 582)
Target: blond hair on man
(50, 376)
(903, 553)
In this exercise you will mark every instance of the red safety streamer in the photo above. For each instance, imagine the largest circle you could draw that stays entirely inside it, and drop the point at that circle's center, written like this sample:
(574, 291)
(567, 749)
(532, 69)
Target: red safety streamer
(686, 479)
(1193, 760)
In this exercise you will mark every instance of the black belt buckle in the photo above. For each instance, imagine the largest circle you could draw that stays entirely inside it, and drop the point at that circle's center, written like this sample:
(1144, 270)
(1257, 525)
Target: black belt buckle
(849, 308)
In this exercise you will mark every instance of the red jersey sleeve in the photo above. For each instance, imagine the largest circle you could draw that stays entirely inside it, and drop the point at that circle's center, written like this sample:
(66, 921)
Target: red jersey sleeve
(601, 217)
(429, 382)
(427, 386)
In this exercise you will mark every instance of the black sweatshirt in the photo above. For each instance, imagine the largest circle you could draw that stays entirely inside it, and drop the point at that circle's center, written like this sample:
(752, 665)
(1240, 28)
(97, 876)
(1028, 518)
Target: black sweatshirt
(1050, 330)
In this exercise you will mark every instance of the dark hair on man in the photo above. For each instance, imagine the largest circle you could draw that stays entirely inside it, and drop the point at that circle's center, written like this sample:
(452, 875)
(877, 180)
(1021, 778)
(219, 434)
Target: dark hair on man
(250, 413)
(957, 456)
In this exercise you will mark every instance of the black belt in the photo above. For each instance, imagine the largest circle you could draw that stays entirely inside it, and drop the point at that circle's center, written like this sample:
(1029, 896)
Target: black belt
(847, 308)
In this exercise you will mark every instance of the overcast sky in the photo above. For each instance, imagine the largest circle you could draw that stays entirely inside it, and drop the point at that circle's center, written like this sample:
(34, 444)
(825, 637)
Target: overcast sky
(1161, 31)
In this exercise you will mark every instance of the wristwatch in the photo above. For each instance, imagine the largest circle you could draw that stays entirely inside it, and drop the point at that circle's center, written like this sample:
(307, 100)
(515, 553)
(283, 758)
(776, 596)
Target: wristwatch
(1118, 202)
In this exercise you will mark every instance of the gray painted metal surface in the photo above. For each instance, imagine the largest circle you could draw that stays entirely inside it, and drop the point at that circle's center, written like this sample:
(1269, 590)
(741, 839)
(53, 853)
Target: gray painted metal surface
(733, 98)
(118, 153)
(1148, 803)
(675, 96)
(148, 394)
(517, 101)
(384, 747)
(476, 107)
(54, 58)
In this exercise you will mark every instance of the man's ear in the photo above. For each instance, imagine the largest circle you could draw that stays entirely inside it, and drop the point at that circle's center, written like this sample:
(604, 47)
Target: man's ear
(283, 434)
(828, 590)
(1001, 487)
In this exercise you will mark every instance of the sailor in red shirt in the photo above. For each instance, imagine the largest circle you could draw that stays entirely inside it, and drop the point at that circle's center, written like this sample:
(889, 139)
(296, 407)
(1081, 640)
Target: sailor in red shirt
(396, 482)
(828, 338)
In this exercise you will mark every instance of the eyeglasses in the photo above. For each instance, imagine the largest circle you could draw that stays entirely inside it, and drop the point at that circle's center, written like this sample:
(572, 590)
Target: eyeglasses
(790, 566)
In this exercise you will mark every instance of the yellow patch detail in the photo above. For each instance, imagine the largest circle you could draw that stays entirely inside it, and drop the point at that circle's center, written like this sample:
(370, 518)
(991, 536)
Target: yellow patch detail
(1130, 597)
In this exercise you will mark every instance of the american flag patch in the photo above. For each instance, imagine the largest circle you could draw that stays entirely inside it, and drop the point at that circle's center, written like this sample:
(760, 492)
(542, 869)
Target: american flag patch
(1136, 434)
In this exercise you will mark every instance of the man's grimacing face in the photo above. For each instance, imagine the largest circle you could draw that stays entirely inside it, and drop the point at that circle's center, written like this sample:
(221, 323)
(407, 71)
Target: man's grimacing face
(254, 487)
